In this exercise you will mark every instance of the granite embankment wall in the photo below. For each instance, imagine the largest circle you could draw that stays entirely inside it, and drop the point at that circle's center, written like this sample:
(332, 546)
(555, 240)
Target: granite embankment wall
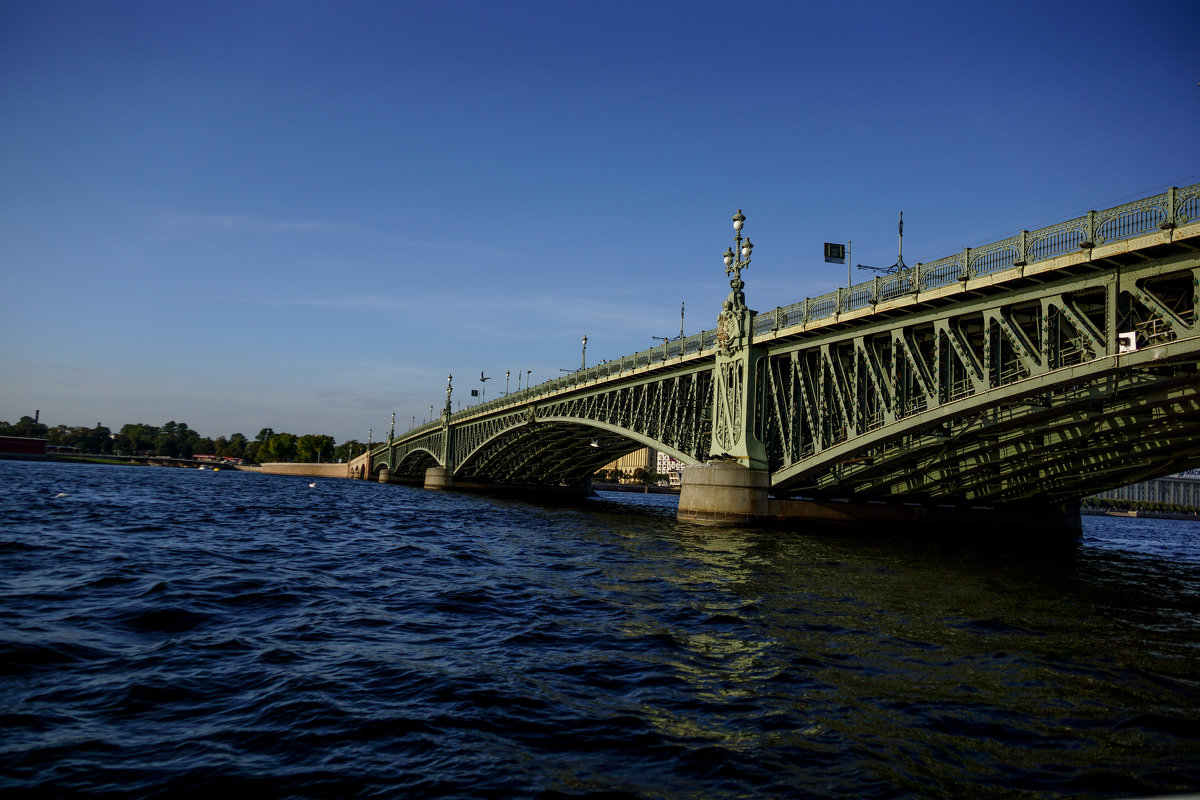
(312, 470)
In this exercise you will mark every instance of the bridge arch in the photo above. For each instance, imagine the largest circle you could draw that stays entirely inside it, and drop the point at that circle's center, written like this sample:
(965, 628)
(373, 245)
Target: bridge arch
(415, 462)
(559, 449)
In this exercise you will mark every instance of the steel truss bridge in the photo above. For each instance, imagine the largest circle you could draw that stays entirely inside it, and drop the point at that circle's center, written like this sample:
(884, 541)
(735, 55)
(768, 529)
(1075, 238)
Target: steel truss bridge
(1038, 369)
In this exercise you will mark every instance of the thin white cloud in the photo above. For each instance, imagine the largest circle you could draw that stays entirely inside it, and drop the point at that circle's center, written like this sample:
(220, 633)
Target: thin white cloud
(184, 223)
(362, 301)
(244, 223)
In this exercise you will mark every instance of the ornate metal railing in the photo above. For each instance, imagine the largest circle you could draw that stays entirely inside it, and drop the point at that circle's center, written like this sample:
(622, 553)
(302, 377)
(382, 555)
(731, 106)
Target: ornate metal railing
(1170, 209)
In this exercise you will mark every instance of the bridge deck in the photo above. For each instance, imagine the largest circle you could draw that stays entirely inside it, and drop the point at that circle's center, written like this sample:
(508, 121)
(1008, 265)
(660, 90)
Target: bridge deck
(992, 376)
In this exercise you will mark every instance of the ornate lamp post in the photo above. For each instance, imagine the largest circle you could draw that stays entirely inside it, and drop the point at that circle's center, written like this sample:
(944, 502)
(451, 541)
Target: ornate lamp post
(733, 399)
(583, 363)
(731, 485)
(735, 264)
(441, 476)
(506, 373)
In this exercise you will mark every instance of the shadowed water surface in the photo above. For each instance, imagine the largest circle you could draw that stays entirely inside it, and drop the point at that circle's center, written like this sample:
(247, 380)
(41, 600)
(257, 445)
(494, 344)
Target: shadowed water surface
(170, 632)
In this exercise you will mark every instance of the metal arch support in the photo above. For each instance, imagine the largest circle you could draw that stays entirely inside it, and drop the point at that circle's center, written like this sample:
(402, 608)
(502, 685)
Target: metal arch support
(1005, 351)
(635, 438)
(1033, 347)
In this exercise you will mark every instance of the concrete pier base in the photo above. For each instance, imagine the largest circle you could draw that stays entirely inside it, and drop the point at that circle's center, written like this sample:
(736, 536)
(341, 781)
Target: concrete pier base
(438, 478)
(385, 475)
(723, 493)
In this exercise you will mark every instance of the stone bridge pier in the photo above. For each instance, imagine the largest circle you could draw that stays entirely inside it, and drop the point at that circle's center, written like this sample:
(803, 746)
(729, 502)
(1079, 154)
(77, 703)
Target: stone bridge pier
(723, 493)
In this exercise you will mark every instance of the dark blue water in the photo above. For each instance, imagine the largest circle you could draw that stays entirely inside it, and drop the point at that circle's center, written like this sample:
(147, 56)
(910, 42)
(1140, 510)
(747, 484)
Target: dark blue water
(169, 632)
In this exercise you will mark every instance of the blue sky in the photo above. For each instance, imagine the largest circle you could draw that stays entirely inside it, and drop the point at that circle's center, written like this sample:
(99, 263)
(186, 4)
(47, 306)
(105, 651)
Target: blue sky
(305, 215)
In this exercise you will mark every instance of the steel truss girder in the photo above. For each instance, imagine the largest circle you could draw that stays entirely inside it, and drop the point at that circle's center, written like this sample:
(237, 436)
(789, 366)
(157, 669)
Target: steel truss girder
(1105, 423)
(1041, 453)
(565, 439)
(834, 401)
(1005, 390)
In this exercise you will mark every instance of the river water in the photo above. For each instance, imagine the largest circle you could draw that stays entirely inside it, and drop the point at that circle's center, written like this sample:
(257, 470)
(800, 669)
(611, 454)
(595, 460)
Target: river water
(169, 632)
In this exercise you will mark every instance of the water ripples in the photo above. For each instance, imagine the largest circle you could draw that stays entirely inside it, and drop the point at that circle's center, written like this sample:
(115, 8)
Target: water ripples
(172, 632)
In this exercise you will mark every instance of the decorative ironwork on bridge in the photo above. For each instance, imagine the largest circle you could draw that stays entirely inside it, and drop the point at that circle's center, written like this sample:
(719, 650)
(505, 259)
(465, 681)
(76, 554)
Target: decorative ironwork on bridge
(1047, 365)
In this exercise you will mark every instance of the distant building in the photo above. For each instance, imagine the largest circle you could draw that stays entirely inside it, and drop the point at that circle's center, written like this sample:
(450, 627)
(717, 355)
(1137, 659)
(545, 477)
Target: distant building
(644, 459)
(671, 467)
(1182, 489)
(650, 460)
(22, 447)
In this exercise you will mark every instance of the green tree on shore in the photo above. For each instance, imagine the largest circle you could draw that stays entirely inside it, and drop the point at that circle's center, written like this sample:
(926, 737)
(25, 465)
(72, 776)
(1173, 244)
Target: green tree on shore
(314, 447)
(176, 439)
(25, 427)
(279, 447)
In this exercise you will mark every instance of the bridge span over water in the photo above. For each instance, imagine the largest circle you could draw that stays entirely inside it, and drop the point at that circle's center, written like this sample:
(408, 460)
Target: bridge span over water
(1024, 374)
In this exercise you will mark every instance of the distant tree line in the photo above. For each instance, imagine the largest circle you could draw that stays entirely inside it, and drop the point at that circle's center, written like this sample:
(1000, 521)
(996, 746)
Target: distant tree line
(639, 475)
(177, 440)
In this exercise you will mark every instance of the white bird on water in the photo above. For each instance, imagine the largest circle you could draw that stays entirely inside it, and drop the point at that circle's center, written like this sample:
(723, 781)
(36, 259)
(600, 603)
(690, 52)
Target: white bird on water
(312, 486)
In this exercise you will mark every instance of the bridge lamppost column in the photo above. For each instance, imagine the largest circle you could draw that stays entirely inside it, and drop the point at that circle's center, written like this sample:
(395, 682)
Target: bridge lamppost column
(730, 488)
(385, 472)
(442, 476)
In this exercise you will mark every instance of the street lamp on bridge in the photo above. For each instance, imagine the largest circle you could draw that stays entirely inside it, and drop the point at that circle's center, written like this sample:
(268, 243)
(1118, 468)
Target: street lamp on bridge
(735, 265)
(583, 361)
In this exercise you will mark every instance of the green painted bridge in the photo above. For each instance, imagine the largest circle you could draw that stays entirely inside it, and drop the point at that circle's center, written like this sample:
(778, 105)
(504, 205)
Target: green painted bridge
(1032, 371)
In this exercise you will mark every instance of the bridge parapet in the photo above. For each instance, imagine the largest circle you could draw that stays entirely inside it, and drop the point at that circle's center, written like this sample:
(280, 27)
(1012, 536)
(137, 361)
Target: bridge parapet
(1171, 209)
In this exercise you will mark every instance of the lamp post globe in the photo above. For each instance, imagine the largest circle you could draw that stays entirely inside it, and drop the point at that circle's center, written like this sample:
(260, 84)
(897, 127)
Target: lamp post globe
(736, 259)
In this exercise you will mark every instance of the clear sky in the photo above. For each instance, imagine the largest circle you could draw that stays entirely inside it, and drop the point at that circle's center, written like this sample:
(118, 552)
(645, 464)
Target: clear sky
(305, 215)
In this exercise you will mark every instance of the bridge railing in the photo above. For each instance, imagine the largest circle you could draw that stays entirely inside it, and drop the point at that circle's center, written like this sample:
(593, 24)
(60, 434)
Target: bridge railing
(1167, 210)
(1170, 209)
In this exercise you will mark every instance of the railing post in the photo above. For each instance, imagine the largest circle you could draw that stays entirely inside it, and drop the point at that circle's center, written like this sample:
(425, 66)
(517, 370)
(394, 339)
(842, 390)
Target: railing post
(875, 292)
(1089, 236)
(839, 300)
(1022, 258)
(965, 274)
(1169, 222)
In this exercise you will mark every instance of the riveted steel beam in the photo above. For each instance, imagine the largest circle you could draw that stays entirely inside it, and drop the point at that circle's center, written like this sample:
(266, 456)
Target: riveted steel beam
(1050, 365)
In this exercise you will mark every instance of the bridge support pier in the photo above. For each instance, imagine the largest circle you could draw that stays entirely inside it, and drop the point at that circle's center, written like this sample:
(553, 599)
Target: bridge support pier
(385, 475)
(723, 493)
(438, 478)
